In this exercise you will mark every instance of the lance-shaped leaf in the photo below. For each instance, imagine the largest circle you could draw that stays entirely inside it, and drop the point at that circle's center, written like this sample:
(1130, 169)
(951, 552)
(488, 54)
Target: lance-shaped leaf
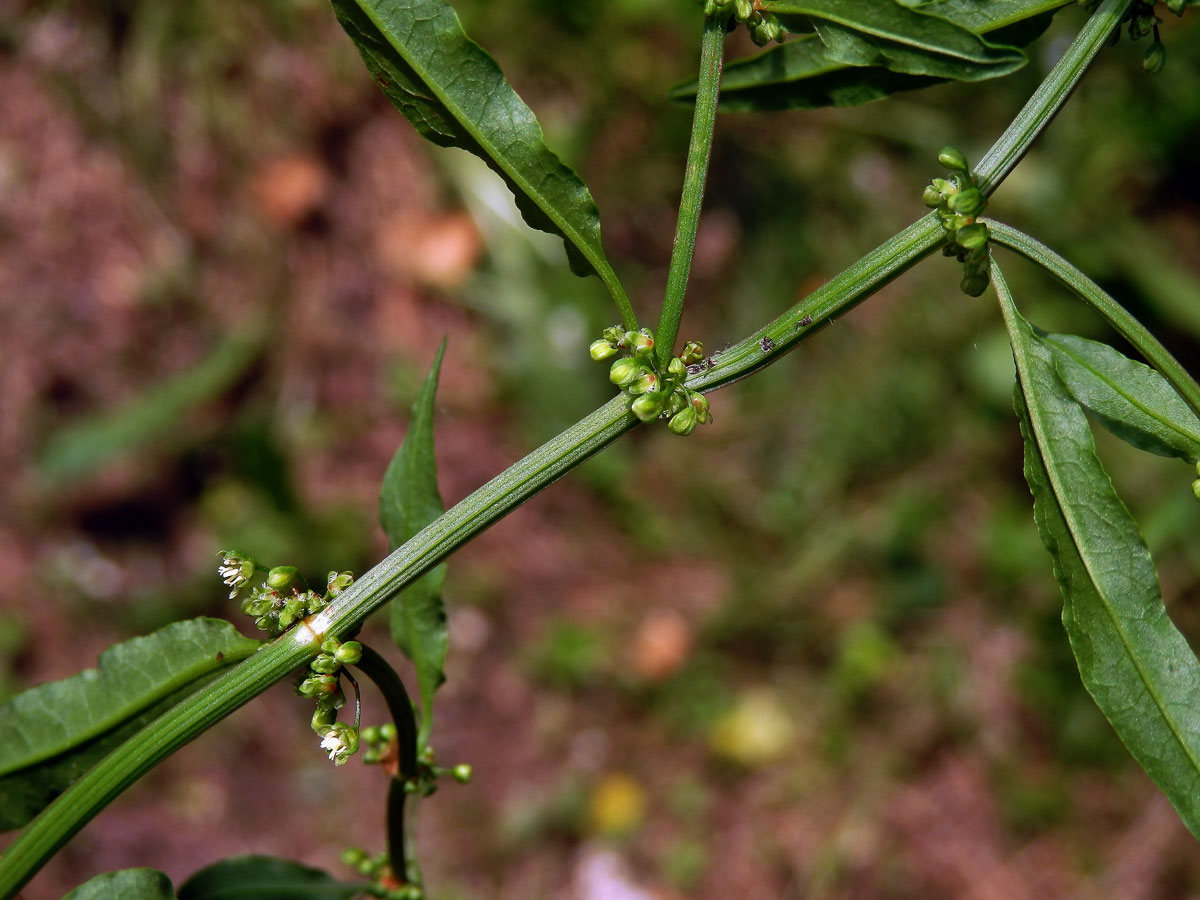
(408, 501)
(1133, 661)
(28, 790)
(50, 719)
(1130, 399)
(884, 33)
(128, 884)
(266, 878)
(805, 73)
(455, 95)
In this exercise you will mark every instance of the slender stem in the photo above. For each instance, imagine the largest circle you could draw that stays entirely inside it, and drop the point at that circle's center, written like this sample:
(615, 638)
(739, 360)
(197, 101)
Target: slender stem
(1113, 312)
(1041, 108)
(400, 851)
(712, 46)
(494, 500)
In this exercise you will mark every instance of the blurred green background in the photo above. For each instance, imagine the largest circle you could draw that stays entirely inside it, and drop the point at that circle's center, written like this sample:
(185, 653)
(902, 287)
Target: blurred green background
(811, 652)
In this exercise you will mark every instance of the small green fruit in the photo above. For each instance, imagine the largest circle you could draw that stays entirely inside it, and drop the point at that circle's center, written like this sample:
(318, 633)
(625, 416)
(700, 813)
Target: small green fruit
(969, 202)
(648, 406)
(624, 371)
(601, 350)
(349, 653)
(462, 773)
(281, 577)
(683, 422)
(972, 237)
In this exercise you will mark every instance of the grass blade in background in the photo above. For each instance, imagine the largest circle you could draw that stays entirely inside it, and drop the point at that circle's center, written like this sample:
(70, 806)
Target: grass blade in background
(1130, 399)
(50, 719)
(455, 95)
(128, 884)
(1133, 661)
(408, 501)
(266, 878)
(805, 73)
(80, 448)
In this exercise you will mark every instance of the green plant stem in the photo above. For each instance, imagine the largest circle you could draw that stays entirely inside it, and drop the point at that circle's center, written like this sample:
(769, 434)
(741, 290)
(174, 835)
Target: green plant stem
(494, 500)
(1113, 312)
(384, 677)
(1041, 108)
(712, 46)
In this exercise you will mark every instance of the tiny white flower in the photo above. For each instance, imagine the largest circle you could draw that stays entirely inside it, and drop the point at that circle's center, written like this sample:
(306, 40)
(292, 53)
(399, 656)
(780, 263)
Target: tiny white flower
(334, 744)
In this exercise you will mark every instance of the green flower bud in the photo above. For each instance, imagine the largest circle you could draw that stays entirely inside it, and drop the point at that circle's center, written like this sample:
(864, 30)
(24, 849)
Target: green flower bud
(352, 856)
(932, 197)
(322, 720)
(281, 577)
(648, 406)
(676, 370)
(341, 742)
(954, 223)
(944, 187)
(700, 405)
(693, 352)
(293, 610)
(369, 734)
(335, 699)
(317, 685)
(678, 401)
(974, 283)
(1155, 58)
(972, 236)
(969, 202)
(350, 652)
(683, 422)
(258, 604)
(601, 350)
(268, 623)
(1196, 488)
(953, 159)
(338, 582)
(624, 371)
(461, 773)
(742, 9)
(387, 731)
(640, 341)
(647, 381)
(410, 892)
(614, 334)
(325, 664)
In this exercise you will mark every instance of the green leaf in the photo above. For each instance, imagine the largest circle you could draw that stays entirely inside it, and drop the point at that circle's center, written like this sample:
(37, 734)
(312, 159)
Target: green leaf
(1133, 661)
(1128, 398)
(82, 447)
(455, 95)
(408, 501)
(862, 66)
(27, 791)
(50, 719)
(128, 884)
(266, 878)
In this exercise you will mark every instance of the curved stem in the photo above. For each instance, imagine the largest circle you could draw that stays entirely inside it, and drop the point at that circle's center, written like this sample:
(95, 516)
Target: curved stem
(1112, 312)
(384, 677)
(712, 46)
(1041, 108)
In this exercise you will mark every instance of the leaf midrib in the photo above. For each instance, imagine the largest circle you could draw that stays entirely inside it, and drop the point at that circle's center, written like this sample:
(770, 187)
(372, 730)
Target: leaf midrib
(1056, 483)
(1116, 387)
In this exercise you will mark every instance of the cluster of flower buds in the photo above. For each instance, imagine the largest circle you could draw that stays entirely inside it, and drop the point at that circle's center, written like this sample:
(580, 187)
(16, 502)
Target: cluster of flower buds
(282, 598)
(763, 26)
(1142, 23)
(338, 739)
(378, 742)
(653, 394)
(378, 868)
(959, 202)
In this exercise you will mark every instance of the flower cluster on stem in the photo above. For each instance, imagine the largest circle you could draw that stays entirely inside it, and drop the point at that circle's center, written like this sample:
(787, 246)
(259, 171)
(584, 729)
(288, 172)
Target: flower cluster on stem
(959, 202)
(653, 393)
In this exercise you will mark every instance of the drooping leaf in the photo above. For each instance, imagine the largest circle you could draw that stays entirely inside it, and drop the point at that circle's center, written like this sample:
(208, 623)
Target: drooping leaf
(79, 448)
(805, 73)
(408, 501)
(455, 95)
(1133, 661)
(266, 878)
(26, 791)
(50, 719)
(128, 884)
(1130, 399)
